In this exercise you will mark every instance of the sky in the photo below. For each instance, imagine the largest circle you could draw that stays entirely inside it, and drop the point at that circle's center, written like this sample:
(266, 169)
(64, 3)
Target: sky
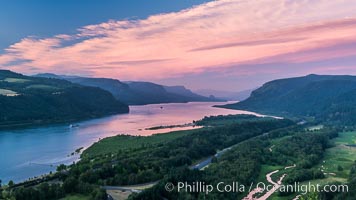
(228, 45)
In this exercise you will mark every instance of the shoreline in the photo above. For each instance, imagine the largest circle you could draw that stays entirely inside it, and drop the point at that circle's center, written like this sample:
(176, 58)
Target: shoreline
(40, 123)
(89, 140)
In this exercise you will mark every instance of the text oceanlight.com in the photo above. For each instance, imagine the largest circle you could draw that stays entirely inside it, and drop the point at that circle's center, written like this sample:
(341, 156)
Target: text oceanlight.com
(235, 187)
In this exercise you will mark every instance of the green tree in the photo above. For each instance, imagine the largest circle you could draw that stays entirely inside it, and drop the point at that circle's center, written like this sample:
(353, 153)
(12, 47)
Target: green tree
(310, 196)
(339, 168)
(70, 185)
(61, 167)
(99, 194)
(11, 183)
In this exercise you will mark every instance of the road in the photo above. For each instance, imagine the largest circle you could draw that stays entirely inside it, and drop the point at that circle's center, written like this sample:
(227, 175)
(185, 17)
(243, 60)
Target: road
(131, 188)
(201, 165)
(269, 179)
(121, 188)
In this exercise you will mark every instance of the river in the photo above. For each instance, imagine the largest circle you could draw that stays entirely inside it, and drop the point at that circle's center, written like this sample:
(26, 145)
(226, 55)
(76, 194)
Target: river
(32, 152)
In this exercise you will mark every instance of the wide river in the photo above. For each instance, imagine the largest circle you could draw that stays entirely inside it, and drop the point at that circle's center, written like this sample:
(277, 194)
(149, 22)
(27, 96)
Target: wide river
(31, 152)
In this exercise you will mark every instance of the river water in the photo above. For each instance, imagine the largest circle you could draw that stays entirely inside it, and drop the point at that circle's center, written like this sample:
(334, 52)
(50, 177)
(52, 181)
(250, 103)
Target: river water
(31, 152)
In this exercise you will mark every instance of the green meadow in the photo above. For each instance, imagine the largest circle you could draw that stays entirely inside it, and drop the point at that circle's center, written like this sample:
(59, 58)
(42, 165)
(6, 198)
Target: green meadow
(7, 92)
(43, 87)
(339, 159)
(16, 80)
(125, 142)
(75, 197)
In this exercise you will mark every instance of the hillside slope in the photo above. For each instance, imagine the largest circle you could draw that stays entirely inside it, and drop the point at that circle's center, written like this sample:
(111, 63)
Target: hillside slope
(227, 95)
(328, 98)
(136, 92)
(183, 91)
(29, 100)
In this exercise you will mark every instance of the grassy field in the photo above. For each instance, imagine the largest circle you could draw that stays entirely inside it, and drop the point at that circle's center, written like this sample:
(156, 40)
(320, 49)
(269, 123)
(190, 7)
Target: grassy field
(124, 142)
(230, 119)
(7, 92)
(75, 197)
(265, 169)
(119, 195)
(43, 87)
(315, 128)
(123, 195)
(340, 156)
(16, 80)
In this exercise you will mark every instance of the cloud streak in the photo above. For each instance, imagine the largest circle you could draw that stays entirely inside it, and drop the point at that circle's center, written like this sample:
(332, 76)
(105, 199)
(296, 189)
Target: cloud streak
(249, 43)
(223, 34)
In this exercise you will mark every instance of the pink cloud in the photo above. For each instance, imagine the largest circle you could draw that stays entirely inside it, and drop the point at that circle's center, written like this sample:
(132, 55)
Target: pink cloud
(219, 33)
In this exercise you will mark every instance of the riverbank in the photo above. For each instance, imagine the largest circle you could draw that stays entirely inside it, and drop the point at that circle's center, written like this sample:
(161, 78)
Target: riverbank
(39, 123)
(50, 144)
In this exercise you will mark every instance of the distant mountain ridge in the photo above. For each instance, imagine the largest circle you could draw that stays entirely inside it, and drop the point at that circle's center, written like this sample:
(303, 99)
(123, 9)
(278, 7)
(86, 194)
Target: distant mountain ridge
(227, 95)
(181, 90)
(325, 97)
(135, 92)
(35, 100)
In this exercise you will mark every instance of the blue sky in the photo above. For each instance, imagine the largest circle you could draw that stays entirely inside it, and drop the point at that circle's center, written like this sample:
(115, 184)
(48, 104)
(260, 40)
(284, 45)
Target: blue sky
(44, 18)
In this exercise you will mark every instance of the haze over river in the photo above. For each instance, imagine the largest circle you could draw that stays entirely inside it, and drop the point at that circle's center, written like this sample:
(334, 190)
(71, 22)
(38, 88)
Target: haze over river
(32, 152)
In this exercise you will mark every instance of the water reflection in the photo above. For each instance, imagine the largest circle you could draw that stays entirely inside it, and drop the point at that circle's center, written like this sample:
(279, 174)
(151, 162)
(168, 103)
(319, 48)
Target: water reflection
(32, 152)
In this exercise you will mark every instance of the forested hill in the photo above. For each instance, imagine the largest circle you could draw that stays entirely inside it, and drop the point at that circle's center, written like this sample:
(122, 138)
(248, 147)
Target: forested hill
(137, 92)
(325, 97)
(30, 100)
